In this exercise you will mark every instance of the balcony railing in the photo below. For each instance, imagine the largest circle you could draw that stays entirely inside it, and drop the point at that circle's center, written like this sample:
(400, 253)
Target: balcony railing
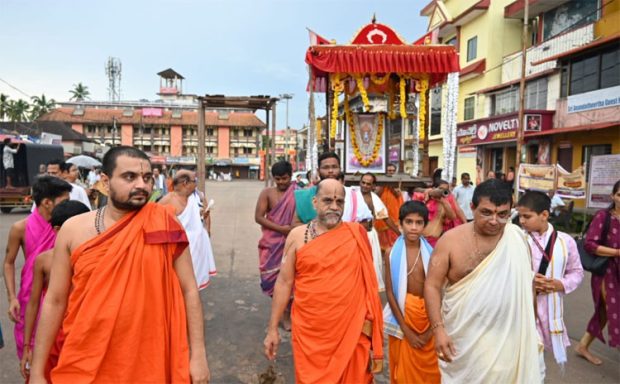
(511, 67)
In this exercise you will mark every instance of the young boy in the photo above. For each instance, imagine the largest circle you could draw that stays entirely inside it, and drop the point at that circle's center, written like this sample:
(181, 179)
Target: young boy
(412, 348)
(42, 265)
(556, 262)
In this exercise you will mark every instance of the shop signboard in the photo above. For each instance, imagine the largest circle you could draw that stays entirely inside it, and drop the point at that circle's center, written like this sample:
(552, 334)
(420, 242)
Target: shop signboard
(502, 128)
(537, 177)
(601, 98)
(604, 172)
(571, 185)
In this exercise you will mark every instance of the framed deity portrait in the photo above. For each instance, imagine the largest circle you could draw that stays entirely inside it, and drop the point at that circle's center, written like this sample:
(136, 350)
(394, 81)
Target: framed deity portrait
(365, 149)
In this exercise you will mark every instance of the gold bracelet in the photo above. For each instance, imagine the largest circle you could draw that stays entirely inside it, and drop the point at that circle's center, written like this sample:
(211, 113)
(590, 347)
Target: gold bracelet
(436, 325)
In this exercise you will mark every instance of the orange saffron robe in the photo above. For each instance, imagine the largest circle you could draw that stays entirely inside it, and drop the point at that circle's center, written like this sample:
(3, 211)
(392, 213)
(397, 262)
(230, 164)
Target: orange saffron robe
(335, 293)
(408, 364)
(392, 200)
(125, 320)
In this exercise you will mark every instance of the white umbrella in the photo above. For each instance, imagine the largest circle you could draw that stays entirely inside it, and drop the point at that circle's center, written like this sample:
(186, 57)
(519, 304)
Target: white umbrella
(84, 161)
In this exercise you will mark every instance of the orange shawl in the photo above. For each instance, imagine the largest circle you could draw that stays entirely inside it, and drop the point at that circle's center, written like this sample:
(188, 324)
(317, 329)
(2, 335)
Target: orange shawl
(335, 292)
(392, 200)
(125, 320)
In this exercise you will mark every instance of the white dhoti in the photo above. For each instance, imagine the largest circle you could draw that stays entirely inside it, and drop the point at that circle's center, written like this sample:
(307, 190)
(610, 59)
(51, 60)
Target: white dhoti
(199, 242)
(489, 315)
(377, 259)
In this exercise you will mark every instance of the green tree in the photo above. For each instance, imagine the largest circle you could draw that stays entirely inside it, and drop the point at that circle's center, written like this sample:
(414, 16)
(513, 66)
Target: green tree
(4, 105)
(18, 110)
(79, 92)
(40, 106)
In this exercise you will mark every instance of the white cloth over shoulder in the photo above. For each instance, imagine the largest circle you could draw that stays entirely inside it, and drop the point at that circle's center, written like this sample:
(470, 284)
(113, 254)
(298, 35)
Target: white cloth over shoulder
(79, 194)
(489, 315)
(199, 242)
(355, 209)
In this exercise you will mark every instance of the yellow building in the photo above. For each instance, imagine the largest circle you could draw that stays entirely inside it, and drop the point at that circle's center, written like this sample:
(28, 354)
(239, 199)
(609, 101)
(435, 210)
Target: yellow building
(572, 69)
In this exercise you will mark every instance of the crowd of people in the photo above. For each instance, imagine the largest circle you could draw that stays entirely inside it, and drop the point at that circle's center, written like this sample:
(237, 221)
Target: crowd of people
(111, 281)
(458, 276)
(110, 293)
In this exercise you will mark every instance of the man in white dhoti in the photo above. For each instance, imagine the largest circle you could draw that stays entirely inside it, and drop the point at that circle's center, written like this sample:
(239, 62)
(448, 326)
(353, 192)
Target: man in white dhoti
(193, 214)
(378, 211)
(484, 327)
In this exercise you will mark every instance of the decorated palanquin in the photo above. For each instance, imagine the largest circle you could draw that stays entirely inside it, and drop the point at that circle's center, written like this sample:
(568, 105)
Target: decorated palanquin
(379, 62)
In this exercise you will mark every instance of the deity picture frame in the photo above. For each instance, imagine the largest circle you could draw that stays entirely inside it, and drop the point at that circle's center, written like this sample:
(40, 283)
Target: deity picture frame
(370, 123)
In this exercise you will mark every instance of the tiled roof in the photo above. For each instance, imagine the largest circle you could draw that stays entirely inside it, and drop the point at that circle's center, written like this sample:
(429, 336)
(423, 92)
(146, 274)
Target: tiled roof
(105, 116)
(35, 128)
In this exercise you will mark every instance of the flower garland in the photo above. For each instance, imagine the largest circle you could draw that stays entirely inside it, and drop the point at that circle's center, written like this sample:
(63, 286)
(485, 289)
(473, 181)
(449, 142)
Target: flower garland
(403, 96)
(422, 87)
(391, 112)
(366, 161)
(360, 86)
(379, 81)
(337, 87)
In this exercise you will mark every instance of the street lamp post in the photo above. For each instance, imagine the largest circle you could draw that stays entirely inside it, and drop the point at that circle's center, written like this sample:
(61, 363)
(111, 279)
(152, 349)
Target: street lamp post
(287, 97)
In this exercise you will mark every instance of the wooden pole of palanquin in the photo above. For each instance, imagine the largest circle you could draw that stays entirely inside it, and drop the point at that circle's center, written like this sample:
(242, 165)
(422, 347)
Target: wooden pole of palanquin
(200, 161)
(521, 125)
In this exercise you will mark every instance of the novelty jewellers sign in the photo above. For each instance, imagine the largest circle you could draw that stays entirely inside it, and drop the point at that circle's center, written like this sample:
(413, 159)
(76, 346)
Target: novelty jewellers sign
(501, 128)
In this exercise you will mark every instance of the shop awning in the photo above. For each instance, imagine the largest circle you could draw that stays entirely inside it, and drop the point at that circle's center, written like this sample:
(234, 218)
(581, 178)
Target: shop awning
(578, 128)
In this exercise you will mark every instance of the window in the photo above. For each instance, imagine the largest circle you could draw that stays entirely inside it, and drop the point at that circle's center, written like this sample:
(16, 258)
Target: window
(436, 111)
(536, 94)
(209, 132)
(598, 70)
(505, 102)
(472, 48)
(247, 151)
(146, 131)
(452, 41)
(210, 150)
(247, 133)
(469, 108)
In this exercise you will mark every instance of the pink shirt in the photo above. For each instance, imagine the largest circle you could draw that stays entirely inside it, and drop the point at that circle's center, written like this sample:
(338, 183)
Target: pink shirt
(571, 280)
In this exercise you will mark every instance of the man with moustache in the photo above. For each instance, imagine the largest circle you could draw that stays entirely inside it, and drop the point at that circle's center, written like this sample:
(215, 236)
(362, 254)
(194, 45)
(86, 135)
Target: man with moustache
(336, 318)
(483, 318)
(123, 287)
(329, 168)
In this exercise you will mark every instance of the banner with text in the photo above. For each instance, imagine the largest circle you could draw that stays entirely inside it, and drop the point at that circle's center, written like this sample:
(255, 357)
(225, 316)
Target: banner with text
(571, 185)
(536, 177)
(604, 173)
(601, 98)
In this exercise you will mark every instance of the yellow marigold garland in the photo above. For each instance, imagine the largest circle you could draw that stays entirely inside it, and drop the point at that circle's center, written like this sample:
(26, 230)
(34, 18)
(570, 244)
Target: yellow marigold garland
(391, 111)
(403, 97)
(337, 87)
(360, 86)
(364, 161)
(379, 81)
(422, 87)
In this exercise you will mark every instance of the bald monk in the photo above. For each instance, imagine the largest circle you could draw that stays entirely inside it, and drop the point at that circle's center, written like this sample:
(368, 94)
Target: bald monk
(123, 287)
(392, 199)
(336, 317)
(188, 204)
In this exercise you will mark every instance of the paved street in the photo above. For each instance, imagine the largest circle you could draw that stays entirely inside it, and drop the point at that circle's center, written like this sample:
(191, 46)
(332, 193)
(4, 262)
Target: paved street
(236, 311)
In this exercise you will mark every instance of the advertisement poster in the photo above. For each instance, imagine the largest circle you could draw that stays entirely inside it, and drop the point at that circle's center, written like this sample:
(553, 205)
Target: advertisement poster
(365, 144)
(536, 177)
(571, 185)
(604, 172)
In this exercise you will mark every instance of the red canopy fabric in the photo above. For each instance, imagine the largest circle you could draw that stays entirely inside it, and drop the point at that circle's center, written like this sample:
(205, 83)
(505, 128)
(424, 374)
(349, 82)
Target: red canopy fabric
(436, 61)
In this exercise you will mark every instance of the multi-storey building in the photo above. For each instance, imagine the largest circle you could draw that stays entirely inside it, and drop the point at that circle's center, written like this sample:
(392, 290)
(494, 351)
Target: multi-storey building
(572, 72)
(168, 129)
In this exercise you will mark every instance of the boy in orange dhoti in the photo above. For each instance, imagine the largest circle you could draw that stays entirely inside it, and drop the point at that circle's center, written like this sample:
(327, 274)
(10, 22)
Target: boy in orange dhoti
(336, 314)
(412, 347)
(123, 286)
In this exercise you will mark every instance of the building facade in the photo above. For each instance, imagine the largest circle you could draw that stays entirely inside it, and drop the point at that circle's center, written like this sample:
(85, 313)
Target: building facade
(572, 79)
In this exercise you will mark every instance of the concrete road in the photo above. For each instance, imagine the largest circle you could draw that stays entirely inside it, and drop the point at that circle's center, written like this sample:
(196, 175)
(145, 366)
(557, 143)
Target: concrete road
(237, 312)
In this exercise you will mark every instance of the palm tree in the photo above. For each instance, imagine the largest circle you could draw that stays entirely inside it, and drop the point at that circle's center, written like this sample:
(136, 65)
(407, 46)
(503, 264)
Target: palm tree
(40, 106)
(4, 105)
(18, 110)
(79, 92)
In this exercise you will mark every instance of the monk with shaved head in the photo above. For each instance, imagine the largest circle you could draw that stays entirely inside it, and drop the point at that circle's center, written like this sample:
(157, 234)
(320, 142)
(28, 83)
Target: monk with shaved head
(336, 316)
(189, 206)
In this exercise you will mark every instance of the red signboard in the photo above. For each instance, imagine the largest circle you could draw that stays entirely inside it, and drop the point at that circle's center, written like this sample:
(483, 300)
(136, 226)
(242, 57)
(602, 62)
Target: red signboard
(501, 128)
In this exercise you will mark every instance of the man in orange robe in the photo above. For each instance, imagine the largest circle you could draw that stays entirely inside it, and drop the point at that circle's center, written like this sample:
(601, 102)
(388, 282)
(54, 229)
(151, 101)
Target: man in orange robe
(123, 286)
(392, 198)
(336, 318)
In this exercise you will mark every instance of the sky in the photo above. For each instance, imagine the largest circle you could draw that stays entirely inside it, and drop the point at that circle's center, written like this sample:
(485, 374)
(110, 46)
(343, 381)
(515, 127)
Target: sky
(234, 47)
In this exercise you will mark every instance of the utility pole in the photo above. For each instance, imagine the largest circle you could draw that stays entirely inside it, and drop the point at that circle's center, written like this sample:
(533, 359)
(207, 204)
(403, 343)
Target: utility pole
(287, 137)
(521, 126)
(273, 132)
(114, 131)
